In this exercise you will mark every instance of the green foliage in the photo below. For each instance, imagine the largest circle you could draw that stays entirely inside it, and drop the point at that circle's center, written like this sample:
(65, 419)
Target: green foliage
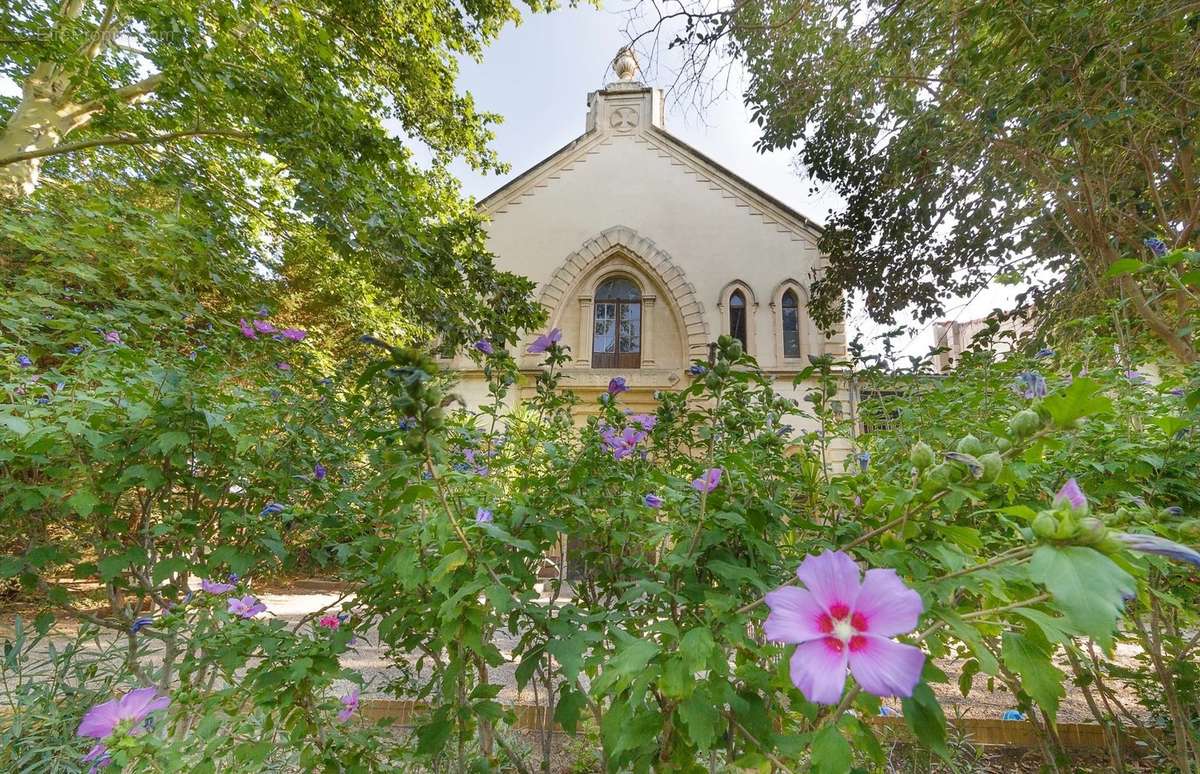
(150, 469)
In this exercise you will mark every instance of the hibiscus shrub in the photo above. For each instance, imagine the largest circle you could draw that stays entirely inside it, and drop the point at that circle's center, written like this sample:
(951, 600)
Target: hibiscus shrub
(698, 586)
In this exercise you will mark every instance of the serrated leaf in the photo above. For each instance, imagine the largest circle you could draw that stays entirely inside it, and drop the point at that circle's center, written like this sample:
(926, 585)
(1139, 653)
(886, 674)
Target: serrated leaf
(1039, 677)
(700, 718)
(1087, 586)
(830, 752)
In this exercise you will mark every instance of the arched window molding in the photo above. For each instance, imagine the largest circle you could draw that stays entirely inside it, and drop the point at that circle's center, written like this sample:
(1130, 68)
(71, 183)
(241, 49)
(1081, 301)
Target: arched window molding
(730, 312)
(797, 349)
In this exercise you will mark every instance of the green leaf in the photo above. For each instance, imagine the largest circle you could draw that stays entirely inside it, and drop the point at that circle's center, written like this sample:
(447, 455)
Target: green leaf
(830, 752)
(1123, 266)
(17, 425)
(569, 707)
(1081, 398)
(701, 719)
(83, 502)
(1039, 677)
(1088, 586)
(924, 716)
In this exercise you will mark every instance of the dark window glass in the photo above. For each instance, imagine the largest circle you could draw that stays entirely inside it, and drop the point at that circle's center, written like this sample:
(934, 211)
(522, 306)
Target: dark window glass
(618, 289)
(737, 316)
(791, 325)
(617, 331)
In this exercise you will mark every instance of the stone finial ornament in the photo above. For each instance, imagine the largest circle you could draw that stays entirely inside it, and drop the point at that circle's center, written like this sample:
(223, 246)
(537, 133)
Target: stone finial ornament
(625, 64)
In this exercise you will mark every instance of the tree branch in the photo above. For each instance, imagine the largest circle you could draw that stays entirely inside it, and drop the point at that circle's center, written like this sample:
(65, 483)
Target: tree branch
(128, 94)
(123, 140)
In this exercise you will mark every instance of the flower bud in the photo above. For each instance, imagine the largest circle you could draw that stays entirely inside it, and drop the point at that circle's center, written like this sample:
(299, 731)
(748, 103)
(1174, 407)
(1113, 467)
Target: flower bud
(1091, 531)
(939, 475)
(992, 464)
(921, 455)
(1045, 525)
(1024, 423)
(1003, 445)
(971, 445)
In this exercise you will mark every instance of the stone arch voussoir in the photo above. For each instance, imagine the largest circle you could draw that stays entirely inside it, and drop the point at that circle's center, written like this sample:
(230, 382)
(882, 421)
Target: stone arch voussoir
(651, 259)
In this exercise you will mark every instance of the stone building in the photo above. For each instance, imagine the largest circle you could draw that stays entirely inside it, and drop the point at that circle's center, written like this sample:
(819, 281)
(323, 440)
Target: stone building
(644, 250)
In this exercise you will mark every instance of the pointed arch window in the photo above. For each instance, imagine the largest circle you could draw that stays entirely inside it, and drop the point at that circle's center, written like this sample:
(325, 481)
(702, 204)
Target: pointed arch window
(617, 331)
(790, 310)
(737, 316)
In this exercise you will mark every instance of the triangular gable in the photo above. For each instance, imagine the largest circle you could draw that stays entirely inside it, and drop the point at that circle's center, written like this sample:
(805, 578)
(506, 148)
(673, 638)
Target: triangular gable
(769, 207)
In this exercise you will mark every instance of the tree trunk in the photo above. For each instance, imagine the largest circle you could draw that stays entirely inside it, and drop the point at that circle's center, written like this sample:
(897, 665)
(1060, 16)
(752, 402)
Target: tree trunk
(40, 122)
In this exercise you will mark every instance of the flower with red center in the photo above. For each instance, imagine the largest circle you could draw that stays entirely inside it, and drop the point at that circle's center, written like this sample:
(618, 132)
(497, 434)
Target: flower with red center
(840, 622)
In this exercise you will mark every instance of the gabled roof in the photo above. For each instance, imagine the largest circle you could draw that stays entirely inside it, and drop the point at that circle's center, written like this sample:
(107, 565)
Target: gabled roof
(664, 140)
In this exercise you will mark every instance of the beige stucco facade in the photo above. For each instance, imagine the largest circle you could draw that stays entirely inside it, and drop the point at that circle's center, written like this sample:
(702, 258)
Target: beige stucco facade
(628, 199)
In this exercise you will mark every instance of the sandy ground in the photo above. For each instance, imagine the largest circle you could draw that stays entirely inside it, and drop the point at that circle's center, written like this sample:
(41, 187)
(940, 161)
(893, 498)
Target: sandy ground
(291, 605)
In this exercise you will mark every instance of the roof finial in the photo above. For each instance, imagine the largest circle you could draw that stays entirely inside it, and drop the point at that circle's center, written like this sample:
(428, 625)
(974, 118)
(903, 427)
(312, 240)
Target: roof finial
(625, 64)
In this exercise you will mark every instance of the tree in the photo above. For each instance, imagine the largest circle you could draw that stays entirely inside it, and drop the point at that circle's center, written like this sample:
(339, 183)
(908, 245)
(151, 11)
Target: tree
(288, 128)
(969, 139)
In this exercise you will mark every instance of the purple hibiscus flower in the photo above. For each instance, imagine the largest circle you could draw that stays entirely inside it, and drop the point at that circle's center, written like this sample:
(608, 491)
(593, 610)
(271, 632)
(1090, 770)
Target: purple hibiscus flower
(709, 481)
(113, 337)
(271, 509)
(652, 501)
(349, 705)
(319, 472)
(485, 346)
(841, 621)
(545, 341)
(293, 334)
(246, 607)
(99, 757)
(262, 326)
(24, 361)
(695, 369)
(1153, 544)
(1031, 384)
(215, 587)
(622, 444)
(103, 719)
(247, 329)
(647, 421)
(1156, 245)
(483, 516)
(617, 385)
(1072, 496)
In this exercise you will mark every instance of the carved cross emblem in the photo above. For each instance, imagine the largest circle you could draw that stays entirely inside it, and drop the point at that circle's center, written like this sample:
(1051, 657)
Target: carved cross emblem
(624, 119)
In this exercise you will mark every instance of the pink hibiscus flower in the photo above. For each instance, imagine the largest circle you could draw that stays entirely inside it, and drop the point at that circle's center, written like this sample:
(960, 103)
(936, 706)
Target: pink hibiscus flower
(246, 607)
(329, 622)
(349, 705)
(839, 622)
(100, 721)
